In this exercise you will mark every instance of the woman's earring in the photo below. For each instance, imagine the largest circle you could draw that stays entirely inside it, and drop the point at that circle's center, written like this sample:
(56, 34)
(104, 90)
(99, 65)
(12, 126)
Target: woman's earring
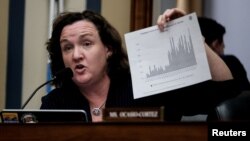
(109, 54)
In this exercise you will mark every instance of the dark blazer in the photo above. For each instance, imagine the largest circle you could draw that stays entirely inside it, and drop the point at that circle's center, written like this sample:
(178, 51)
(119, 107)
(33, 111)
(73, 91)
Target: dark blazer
(195, 99)
(238, 71)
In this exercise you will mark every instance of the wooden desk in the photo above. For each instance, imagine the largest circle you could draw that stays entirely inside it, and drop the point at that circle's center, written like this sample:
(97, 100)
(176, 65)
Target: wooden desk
(105, 132)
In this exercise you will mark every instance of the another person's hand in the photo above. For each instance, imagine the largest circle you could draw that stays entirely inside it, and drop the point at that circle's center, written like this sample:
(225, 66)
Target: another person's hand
(169, 15)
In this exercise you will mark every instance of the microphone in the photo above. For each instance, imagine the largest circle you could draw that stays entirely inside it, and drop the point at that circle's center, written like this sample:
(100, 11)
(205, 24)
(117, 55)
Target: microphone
(60, 75)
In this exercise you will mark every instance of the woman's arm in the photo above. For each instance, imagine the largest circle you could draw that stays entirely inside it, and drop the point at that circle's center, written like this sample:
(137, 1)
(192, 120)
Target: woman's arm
(219, 70)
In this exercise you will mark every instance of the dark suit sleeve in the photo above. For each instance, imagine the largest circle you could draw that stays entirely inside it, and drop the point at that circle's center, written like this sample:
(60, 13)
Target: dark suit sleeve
(238, 71)
(202, 98)
(196, 99)
(51, 100)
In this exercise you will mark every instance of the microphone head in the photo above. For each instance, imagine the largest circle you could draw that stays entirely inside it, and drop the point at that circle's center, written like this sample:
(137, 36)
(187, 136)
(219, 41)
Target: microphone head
(63, 74)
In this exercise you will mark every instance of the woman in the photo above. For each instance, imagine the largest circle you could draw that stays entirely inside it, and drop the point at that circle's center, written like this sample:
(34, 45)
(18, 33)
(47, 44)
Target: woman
(92, 48)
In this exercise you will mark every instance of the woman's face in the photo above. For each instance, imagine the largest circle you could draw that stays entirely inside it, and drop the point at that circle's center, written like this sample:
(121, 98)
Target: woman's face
(84, 52)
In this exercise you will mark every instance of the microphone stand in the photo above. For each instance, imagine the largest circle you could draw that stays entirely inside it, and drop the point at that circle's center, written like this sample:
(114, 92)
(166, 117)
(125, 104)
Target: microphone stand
(35, 92)
(66, 72)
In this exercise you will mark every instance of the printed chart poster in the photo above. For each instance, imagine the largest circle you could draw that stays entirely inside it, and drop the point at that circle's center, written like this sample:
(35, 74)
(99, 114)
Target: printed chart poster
(168, 60)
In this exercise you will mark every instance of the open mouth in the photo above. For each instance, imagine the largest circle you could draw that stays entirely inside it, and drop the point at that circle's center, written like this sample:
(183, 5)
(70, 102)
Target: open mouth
(79, 68)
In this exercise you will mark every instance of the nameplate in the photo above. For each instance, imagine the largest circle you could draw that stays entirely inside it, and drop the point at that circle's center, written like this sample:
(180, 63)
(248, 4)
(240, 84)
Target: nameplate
(133, 114)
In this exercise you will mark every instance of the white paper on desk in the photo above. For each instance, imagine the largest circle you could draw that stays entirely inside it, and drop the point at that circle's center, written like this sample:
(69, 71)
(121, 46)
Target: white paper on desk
(168, 60)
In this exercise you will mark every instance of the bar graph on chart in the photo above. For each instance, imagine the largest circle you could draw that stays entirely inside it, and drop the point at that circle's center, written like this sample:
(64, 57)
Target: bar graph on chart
(181, 55)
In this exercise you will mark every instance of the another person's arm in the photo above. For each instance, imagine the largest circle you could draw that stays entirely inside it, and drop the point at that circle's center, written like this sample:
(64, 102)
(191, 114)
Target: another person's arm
(218, 68)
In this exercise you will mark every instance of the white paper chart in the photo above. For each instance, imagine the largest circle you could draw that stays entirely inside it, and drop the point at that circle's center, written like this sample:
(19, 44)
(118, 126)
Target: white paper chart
(168, 60)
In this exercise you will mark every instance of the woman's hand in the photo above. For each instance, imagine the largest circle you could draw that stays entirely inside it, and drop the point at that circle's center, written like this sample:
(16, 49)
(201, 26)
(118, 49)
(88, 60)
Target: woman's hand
(169, 15)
